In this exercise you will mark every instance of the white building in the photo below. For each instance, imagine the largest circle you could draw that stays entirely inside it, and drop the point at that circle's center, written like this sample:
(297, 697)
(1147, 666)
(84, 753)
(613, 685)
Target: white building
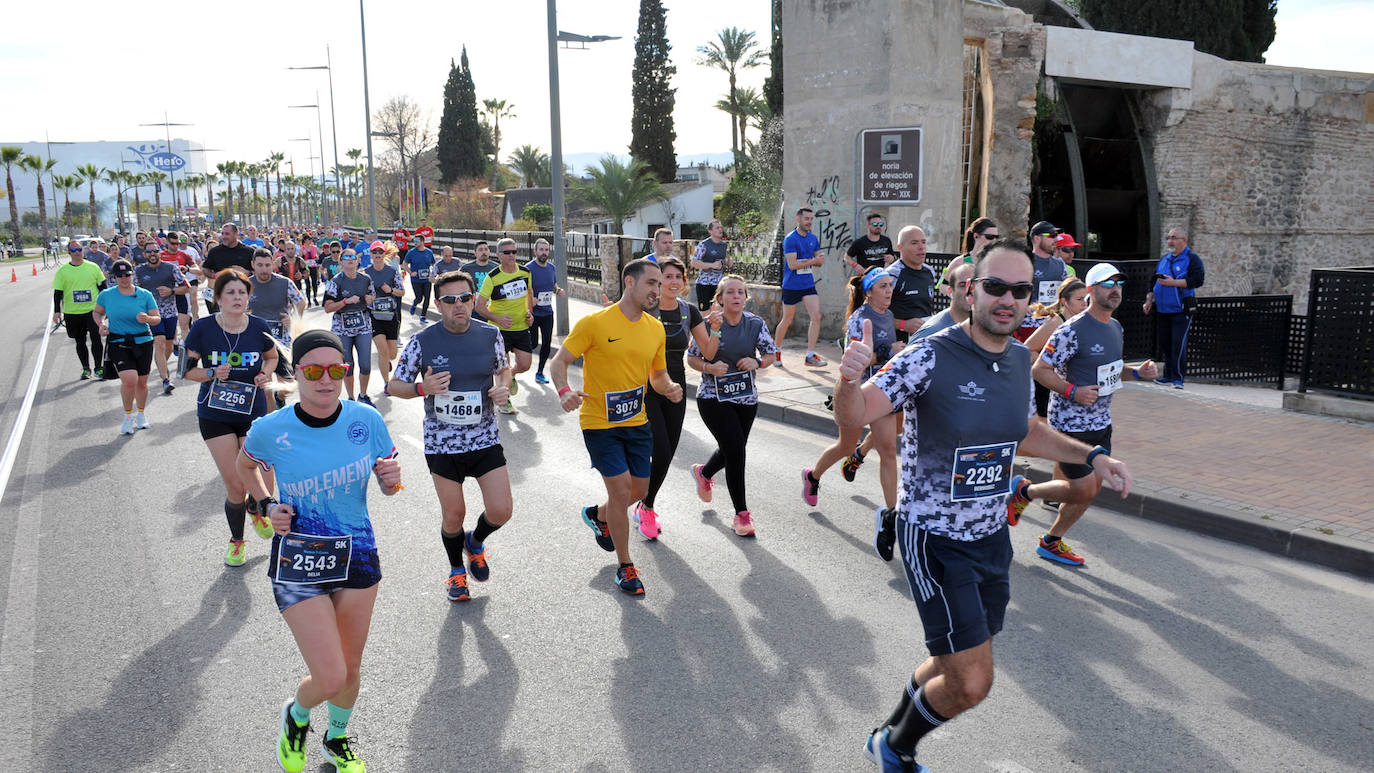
(689, 203)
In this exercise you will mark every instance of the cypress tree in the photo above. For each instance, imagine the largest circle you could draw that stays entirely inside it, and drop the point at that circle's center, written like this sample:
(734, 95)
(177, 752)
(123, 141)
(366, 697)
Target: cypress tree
(1240, 30)
(472, 162)
(651, 127)
(448, 151)
(772, 85)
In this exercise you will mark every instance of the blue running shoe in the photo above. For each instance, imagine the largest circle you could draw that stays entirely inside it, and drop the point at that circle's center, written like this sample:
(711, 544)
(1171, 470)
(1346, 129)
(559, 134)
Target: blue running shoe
(1017, 500)
(477, 559)
(458, 585)
(603, 532)
(540, 378)
(627, 579)
(889, 761)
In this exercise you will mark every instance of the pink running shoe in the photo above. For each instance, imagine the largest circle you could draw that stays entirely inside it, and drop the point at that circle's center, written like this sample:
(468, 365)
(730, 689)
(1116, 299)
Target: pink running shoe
(811, 488)
(743, 524)
(647, 520)
(704, 483)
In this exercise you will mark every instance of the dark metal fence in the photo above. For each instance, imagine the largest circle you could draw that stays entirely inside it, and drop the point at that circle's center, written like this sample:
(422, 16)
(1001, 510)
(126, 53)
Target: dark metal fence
(1240, 339)
(1138, 327)
(1339, 350)
(1297, 345)
(583, 250)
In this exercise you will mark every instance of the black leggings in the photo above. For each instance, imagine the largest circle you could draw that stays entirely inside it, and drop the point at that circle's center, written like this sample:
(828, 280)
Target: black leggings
(97, 348)
(312, 279)
(542, 330)
(665, 417)
(729, 424)
(422, 288)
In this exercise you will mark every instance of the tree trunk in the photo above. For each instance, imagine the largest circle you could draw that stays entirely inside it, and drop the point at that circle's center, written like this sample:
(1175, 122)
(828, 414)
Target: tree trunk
(138, 210)
(43, 210)
(119, 209)
(157, 204)
(210, 199)
(735, 143)
(14, 211)
(95, 222)
(67, 208)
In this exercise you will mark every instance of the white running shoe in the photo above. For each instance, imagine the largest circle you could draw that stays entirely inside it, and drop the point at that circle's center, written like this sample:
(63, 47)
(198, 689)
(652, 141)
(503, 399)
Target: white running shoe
(140, 421)
(127, 428)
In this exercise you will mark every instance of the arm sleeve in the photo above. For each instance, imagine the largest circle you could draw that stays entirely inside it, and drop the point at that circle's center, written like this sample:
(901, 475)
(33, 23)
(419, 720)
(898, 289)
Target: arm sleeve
(1196, 273)
(57, 300)
(1060, 348)
(660, 361)
(408, 365)
(382, 446)
(694, 317)
(258, 446)
(502, 362)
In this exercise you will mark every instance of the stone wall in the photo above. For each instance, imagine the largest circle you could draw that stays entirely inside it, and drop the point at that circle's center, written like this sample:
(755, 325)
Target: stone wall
(1269, 169)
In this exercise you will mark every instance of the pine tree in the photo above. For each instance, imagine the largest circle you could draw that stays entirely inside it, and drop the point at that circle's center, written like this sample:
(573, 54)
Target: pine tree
(450, 167)
(1239, 30)
(472, 160)
(652, 135)
(772, 85)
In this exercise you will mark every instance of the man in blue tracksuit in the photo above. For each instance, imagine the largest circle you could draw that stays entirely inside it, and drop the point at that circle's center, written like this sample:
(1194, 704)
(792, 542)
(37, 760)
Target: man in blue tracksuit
(1178, 274)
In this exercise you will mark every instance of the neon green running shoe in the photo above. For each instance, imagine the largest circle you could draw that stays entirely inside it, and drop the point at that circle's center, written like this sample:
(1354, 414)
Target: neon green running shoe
(291, 744)
(262, 525)
(339, 753)
(235, 555)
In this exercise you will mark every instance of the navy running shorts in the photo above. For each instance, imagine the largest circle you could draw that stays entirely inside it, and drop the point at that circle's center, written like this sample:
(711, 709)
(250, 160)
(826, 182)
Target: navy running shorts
(961, 588)
(616, 450)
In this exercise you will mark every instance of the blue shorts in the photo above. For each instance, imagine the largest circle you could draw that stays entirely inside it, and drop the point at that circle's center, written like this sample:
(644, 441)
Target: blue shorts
(793, 297)
(364, 571)
(961, 588)
(1093, 437)
(166, 328)
(183, 307)
(619, 449)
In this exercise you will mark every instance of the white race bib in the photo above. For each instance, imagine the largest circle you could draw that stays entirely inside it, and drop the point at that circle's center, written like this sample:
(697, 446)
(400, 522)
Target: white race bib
(1109, 377)
(463, 409)
(1049, 291)
(546, 298)
(806, 271)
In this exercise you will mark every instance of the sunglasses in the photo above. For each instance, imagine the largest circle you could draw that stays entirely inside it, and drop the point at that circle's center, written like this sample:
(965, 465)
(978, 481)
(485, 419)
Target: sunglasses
(988, 236)
(509, 252)
(452, 299)
(877, 223)
(1066, 249)
(997, 288)
(316, 372)
(379, 252)
(1109, 283)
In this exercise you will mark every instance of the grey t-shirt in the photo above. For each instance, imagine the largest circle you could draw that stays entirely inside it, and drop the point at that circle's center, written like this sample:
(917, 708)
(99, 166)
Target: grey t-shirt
(354, 318)
(163, 275)
(935, 324)
(1049, 273)
(913, 290)
(713, 252)
(386, 305)
(749, 338)
(1085, 352)
(884, 333)
(270, 300)
(462, 419)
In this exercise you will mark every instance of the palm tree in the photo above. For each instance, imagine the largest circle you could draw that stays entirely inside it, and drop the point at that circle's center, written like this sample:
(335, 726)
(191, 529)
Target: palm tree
(241, 168)
(39, 167)
(91, 174)
(749, 104)
(497, 109)
(354, 155)
(67, 183)
(135, 180)
(227, 169)
(115, 177)
(157, 179)
(193, 181)
(11, 155)
(733, 50)
(619, 189)
(276, 159)
(532, 165)
(210, 178)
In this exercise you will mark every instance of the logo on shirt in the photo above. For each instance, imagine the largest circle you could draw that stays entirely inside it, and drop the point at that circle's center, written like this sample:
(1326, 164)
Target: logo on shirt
(234, 359)
(1097, 349)
(612, 340)
(358, 433)
(282, 442)
(972, 391)
(440, 361)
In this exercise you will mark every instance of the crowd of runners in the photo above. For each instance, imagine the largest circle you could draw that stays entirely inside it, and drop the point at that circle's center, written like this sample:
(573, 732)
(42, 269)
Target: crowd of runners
(286, 412)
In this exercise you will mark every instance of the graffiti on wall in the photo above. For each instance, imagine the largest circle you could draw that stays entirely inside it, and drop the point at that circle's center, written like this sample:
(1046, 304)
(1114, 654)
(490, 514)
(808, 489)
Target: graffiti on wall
(832, 230)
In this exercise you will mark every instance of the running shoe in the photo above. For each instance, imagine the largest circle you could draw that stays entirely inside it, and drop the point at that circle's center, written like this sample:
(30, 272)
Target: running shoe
(811, 488)
(507, 408)
(627, 579)
(140, 421)
(167, 387)
(477, 560)
(884, 532)
(100, 373)
(291, 744)
(647, 520)
(603, 532)
(743, 524)
(540, 378)
(457, 583)
(1164, 381)
(1048, 505)
(127, 428)
(1017, 499)
(1059, 552)
(1178, 385)
(365, 400)
(850, 467)
(814, 360)
(261, 524)
(85, 373)
(778, 358)
(704, 483)
(234, 556)
(339, 753)
(888, 760)
(514, 386)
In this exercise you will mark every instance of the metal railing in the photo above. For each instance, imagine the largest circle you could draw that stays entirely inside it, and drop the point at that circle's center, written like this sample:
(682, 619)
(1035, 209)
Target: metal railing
(1338, 352)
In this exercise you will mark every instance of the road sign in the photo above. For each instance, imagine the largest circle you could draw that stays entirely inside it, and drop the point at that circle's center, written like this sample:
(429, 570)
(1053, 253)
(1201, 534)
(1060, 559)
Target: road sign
(890, 166)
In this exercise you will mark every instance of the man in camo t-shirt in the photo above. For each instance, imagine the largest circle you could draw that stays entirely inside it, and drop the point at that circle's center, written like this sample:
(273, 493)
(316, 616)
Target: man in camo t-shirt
(969, 409)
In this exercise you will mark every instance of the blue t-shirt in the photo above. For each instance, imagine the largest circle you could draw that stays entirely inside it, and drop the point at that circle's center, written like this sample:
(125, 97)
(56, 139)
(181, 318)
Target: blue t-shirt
(122, 312)
(243, 351)
(421, 261)
(253, 242)
(805, 247)
(545, 279)
(322, 472)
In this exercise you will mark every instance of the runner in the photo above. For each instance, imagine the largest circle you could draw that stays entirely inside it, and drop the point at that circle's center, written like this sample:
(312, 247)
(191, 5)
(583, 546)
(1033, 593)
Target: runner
(460, 369)
(274, 300)
(682, 322)
(329, 263)
(128, 315)
(324, 566)
(661, 247)
(447, 263)
(239, 358)
(544, 278)
(347, 297)
(1050, 271)
(913, 289)
(505, 300)
(74, 288)
(229, 252)
(181, 255)
(614, 425)
(418, 261)
(711, 260)
(869, 299)
(164, 280)
(873, 249)
(1081, 364)
(386, 309)
(727, 398)
(478, 268)
(311, 254)
(1072, 301)
(801, 255)
(424, 235)
(966, 393)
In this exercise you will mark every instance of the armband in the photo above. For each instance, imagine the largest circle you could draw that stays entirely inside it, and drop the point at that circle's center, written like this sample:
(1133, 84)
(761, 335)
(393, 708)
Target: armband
(1070, 391)
(1136, 373)
(1093, 454)
(563, 390)
(420, 388)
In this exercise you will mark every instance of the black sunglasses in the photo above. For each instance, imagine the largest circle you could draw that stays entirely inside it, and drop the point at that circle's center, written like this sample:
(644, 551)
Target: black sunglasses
(452, 299)
(509, 252)
(997, 288)
(987, 235)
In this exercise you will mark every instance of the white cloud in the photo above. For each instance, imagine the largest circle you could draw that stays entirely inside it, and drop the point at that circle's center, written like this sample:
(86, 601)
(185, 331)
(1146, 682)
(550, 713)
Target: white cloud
(1323, 35)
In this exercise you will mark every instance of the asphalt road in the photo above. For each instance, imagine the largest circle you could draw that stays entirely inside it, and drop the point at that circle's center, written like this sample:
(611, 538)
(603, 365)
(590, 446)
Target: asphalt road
(128, 645)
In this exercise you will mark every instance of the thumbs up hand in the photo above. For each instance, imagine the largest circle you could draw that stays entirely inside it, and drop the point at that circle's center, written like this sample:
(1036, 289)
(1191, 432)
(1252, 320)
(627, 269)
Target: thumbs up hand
(858, 355)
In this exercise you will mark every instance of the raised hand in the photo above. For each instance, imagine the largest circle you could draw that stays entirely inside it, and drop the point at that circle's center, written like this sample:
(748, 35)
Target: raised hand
(858, 355)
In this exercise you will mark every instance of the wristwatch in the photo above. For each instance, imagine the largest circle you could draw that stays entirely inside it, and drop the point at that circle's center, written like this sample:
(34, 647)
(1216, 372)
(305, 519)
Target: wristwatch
(265, 506)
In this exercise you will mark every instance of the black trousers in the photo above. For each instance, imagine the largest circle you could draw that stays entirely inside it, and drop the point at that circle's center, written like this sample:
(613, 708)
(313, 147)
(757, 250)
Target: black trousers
(729, 424)
(665, 418)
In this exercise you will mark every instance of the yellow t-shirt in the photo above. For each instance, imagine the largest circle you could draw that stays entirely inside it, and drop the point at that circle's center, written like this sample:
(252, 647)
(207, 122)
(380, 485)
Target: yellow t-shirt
(78, 285)
(618, 356)
(508, 295)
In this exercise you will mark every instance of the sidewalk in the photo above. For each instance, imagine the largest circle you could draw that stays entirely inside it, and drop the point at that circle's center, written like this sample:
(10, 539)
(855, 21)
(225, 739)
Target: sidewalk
(1222, 461)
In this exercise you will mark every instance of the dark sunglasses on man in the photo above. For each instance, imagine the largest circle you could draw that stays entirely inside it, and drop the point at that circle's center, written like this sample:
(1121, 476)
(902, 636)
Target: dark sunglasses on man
(997, 288)
(452, 299)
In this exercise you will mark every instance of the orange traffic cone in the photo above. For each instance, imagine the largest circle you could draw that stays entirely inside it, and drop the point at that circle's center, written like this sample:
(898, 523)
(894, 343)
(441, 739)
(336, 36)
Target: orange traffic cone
(13, 276)
(34, 266)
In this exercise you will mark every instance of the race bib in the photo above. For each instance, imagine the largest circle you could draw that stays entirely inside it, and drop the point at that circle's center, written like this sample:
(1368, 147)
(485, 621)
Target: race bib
(1049, 291)
(512, 290)
(353, 320)
(806, 271)
(624, 405)
(208, 294)
(275, 328)
(735, 387)
(81, 296)
(1109, 377)
(422, 274)
(384, 308)
(305, 559)
(463, 409)
(982, 471)
(546, 298)
(232, 396)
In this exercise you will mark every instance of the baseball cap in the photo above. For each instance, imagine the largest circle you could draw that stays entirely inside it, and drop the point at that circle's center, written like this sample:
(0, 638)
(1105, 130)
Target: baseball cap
(377, 245)
(1043, 228)
(1066, 240)
(1100, 272)
(121, 269)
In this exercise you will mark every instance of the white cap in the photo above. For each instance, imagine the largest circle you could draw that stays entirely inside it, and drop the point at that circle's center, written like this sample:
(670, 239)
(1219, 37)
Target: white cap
(1100, 272)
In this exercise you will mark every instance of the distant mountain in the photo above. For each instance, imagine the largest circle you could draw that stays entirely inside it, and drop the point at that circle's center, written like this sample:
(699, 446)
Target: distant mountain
(580, 161)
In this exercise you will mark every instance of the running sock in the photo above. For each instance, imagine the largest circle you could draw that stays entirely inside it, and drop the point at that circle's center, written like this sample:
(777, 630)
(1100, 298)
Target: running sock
(911, 687)
(251, 505)
(234, 512)
(920, 718)
(622, 566)
(453, 545)
(129, 412)
(338, 721)
(299, 714)
(480, 534)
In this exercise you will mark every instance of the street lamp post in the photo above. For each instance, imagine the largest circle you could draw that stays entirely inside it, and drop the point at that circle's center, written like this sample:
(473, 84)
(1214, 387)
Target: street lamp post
(367, 107)
(333, 122)
(310, 146)
(171, 171)
(320, 129)
(52, 175)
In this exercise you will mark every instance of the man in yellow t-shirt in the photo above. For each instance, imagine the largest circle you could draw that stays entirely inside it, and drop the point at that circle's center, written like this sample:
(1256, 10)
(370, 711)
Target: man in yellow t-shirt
(506, 299)
(74, 288)
(623, 350)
